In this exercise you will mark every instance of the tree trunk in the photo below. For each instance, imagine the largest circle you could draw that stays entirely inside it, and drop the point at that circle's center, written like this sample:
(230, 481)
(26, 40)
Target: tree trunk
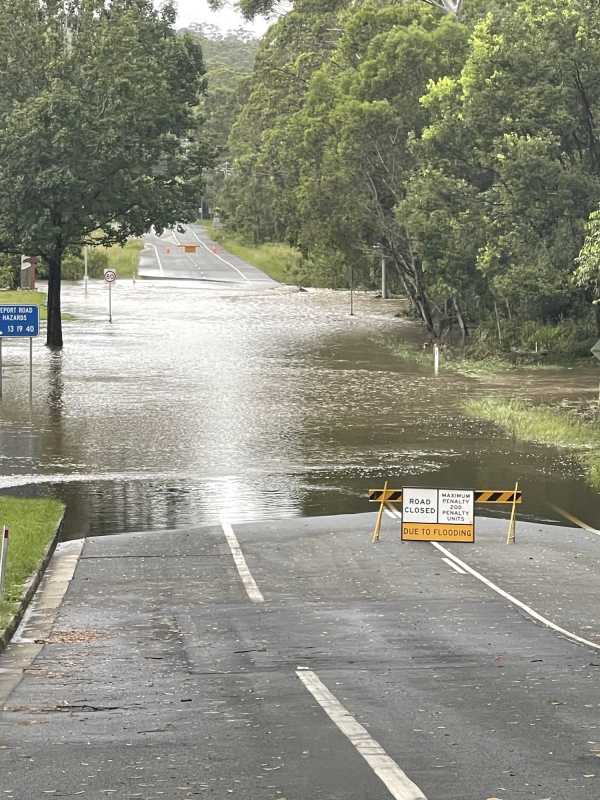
(464, 331)
(54, 337)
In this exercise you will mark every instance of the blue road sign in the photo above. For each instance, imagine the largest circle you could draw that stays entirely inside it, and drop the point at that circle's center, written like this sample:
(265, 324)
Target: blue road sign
(17, 321)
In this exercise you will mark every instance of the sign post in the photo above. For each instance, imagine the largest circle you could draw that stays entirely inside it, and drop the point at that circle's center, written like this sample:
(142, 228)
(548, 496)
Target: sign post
(438, 515)
(110, 276)
(19, 322)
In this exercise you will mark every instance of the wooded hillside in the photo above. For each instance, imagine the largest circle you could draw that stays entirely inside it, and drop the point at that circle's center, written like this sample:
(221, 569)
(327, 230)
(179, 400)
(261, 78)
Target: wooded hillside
(467, 148)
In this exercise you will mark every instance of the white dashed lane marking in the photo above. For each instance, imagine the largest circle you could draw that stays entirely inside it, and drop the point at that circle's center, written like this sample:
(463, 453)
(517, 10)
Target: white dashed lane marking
(397, 782)
(250, 586)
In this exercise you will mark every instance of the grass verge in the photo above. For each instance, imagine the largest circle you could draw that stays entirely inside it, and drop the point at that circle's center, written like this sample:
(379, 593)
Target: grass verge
(125, 260)
(32, 524)
(545, 425)
(20, 297)
(279, 261)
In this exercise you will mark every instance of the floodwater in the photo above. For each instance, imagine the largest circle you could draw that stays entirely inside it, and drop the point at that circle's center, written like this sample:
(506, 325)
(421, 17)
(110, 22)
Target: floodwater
(199, 403)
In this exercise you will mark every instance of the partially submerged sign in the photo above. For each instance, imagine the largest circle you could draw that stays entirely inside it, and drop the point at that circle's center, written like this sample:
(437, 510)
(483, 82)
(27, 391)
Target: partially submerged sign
(438, 515)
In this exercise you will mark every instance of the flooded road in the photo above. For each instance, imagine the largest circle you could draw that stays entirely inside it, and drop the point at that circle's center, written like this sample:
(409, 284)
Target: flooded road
(202, 400)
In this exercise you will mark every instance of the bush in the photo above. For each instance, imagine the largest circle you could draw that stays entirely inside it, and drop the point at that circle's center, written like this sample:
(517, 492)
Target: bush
(570, 337)
(72, 267)
(97, 262)
(9, 272)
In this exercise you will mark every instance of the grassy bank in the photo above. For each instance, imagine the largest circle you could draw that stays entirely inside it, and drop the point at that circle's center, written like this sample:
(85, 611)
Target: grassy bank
(279, 261)
(124, 260)
(545, 425)
(24, 298)
(28, 298)
(32, 524)
(453, 361)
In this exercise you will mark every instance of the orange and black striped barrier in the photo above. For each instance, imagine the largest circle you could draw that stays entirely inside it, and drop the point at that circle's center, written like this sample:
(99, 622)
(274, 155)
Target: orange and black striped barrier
(388, 497)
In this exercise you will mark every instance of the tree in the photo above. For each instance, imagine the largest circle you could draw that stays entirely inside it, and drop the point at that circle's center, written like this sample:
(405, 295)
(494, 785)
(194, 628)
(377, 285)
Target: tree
(98, 129)
(229, 60)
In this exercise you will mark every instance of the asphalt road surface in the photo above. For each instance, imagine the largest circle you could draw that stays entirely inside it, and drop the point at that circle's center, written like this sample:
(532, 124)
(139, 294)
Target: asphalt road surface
(294, 660)
(191, 255)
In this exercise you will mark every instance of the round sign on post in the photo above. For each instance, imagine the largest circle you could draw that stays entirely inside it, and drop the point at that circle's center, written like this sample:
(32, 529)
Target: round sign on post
(110, 276)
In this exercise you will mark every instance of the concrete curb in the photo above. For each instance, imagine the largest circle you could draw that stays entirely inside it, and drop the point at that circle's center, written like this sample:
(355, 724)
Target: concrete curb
(30, 588)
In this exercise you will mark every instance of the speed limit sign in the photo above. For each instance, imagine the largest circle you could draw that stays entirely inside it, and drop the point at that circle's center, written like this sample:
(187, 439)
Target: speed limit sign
(110, 276)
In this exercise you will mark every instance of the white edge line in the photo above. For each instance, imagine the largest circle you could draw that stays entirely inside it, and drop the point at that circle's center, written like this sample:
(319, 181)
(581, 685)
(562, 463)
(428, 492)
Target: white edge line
(454, 566)
(160, 266)
(389, 773)
(394, 512)
(216, 255)
(250, 586)
(523, 606)
(580, 524)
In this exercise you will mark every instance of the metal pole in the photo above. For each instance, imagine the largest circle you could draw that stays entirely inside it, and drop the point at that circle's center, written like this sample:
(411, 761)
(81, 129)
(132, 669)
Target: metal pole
(30, 369)
(0, 367)
(351, 290)
(3, 558)
(384, 293)
(110, 302)
(85, 268)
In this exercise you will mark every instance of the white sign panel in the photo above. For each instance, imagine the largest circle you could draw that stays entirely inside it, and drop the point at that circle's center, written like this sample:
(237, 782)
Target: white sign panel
(420, 505)
(455, 507)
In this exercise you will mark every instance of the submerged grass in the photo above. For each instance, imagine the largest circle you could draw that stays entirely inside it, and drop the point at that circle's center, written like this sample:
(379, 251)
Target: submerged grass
(279, 261)
(451, 362)
(546, 425)
(32, 524)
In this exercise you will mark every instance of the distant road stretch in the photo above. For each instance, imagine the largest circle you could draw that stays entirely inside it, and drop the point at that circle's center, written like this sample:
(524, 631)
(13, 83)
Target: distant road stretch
(165, 257)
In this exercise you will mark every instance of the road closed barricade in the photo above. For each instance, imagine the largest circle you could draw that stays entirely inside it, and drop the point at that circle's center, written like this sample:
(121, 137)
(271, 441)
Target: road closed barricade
(441, 514)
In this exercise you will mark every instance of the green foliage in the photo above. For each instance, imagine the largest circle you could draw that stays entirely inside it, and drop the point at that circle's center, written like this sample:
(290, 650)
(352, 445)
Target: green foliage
(32, 524)
(99, 133)
(566, 339)
(10, 269)
(466, 147)
(229, 60)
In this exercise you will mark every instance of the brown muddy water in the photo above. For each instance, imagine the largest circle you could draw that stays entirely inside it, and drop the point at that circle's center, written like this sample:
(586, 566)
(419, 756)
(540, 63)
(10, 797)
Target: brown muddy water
(198, 403)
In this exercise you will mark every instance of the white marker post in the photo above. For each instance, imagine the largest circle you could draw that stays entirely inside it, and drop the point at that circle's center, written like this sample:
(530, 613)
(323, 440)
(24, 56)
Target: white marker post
(110, 276)
(436, 359)
(3, 558)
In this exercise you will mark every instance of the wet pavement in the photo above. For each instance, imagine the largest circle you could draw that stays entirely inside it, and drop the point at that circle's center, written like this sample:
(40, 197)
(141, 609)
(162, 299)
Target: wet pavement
(256, 401)
(359, 664)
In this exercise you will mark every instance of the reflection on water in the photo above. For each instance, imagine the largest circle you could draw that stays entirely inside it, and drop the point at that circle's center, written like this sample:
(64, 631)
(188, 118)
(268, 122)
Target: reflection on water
(198, 402)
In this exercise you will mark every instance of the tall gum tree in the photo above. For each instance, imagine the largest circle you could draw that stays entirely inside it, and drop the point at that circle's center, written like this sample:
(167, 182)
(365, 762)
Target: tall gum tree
(98, 128)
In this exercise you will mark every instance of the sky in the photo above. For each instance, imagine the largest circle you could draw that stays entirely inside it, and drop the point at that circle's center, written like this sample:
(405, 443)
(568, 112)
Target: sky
(198, 11)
